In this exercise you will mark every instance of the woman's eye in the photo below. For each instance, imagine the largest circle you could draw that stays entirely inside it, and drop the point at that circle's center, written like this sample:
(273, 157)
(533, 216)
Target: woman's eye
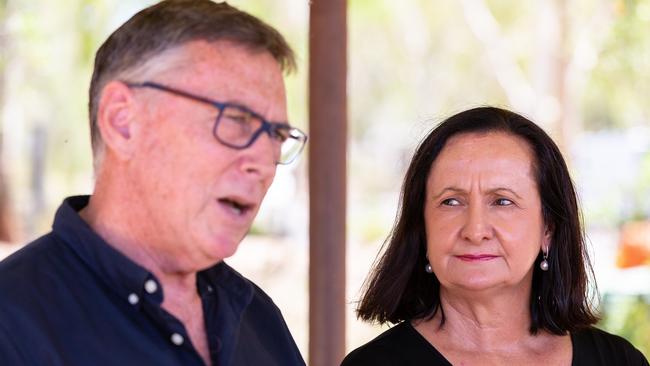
(451, 202)
(503, 202)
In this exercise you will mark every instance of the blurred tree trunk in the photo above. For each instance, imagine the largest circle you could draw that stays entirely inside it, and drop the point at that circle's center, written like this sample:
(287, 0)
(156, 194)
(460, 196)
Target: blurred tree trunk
(507, 72)
(550, 72)
(545, 98)
(5, 216)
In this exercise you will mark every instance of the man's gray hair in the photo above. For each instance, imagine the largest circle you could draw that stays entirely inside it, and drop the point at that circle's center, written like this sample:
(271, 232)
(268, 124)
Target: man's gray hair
(169, 24)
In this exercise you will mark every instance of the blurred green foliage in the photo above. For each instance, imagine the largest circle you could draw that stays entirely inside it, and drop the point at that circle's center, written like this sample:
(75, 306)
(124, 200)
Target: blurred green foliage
(629, 317)
(642, 190)
(620, 77)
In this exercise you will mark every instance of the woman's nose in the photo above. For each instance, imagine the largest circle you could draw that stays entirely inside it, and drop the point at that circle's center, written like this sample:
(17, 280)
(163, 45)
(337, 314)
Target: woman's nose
(477, 227)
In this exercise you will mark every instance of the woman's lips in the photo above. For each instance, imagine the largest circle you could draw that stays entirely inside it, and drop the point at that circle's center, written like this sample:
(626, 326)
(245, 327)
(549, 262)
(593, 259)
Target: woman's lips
(476, 257)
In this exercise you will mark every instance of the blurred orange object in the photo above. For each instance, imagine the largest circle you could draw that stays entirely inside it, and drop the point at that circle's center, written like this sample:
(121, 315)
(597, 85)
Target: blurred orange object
(634, 244)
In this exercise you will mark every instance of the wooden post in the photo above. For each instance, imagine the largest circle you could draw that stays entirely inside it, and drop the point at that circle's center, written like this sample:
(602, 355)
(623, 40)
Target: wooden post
(327, 180)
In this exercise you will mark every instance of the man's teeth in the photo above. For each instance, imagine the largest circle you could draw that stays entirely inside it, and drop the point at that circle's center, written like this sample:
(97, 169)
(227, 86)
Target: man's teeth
(236, 209)
(234, 206)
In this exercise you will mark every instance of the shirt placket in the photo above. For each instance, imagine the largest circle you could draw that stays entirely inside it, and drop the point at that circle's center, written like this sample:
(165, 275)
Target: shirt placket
(172, 330)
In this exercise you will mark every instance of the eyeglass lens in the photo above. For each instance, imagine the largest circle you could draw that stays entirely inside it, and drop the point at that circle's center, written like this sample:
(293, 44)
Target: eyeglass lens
(239, 128)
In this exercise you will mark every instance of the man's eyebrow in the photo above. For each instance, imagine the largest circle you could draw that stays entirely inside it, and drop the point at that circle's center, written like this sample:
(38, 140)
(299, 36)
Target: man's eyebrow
(462, 191)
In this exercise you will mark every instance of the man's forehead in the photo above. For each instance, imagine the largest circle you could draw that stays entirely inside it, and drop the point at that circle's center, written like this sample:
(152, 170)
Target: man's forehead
(220, 57)
(224, 71)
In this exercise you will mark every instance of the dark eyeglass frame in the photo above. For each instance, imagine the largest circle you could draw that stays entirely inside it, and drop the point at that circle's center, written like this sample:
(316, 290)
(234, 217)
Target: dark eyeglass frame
(271, 128)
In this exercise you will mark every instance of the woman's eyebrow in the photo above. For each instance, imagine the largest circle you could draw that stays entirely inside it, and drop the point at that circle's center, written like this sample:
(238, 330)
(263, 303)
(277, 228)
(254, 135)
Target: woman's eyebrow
(453, 189)
(449, 189)
(496, 190)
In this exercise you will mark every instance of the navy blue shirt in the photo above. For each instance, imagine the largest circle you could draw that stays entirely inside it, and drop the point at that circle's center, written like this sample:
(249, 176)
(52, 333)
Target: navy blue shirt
(69, 298)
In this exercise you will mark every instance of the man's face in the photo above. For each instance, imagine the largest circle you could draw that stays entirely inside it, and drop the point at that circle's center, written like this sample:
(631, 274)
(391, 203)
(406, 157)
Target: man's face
(199, 197)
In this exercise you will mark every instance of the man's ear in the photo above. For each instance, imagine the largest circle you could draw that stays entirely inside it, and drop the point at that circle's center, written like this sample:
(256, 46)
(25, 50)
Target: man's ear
(116, 120)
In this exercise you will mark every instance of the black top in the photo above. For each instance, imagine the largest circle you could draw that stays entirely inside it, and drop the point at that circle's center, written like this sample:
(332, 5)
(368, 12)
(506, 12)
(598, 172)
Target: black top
(69, 298)
(402, 345)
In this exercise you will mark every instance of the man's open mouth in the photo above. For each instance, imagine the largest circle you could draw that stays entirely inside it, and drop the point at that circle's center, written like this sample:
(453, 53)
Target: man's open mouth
(238, 207)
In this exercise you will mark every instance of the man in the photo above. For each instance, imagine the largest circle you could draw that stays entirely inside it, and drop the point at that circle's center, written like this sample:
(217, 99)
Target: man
(181, 103)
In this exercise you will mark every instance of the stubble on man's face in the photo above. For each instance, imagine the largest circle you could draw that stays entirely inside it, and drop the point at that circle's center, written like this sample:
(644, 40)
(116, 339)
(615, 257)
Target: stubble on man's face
(185, 179)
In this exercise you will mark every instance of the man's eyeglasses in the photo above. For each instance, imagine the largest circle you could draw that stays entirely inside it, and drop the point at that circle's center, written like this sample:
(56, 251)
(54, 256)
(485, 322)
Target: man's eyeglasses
(238, 127)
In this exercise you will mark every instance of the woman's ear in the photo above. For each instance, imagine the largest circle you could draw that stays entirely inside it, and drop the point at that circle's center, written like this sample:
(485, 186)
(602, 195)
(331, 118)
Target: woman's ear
(116, 114)
(546, 240)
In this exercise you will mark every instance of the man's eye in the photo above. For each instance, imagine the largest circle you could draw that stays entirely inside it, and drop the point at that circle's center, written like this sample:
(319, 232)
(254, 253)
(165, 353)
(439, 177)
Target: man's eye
(451, 202)
(280, 134)
(240, 118)
(503, 202)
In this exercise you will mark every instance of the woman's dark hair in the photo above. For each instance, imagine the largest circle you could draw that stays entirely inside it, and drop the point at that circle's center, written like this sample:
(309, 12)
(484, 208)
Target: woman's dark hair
(398, 288)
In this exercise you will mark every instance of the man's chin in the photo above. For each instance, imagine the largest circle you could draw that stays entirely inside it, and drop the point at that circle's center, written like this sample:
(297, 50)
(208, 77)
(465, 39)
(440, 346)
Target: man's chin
(224, 248)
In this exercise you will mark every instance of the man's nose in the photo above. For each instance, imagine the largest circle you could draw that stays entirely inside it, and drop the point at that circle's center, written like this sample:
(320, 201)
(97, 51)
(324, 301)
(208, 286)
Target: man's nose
(261, 156)
(477, 227)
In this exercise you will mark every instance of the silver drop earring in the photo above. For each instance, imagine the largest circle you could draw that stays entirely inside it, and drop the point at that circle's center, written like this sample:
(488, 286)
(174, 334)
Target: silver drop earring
(543, 265)
(428, 269)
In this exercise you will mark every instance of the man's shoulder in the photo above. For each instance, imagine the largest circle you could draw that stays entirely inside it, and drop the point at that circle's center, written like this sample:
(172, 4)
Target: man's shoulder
(235, 281)
(261, 323)
(28, 270)
(24, 262)
(259, 295)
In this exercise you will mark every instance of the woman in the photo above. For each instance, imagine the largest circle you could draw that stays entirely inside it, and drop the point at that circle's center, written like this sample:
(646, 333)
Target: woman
(486, 264)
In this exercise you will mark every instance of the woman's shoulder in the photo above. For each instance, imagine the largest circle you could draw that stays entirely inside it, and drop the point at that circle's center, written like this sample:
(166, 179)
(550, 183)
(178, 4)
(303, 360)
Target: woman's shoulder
(399, 345)
(380, 350)
(593, 346)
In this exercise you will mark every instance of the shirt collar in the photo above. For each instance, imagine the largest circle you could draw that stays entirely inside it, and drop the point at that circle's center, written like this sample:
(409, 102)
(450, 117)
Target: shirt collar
(126, 277)
(119, 272)
(229, 284)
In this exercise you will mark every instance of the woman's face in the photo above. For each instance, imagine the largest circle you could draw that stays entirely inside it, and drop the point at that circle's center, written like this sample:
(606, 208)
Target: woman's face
(483, 214)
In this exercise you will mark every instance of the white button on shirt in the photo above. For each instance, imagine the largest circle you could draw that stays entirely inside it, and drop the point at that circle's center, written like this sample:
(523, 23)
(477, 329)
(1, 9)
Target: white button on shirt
(150, 286)
(177, 339)
(133, 299)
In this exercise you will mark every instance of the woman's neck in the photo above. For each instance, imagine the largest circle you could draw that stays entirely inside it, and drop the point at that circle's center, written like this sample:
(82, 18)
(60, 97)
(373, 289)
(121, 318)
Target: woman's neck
(485, 322)
(491, 330)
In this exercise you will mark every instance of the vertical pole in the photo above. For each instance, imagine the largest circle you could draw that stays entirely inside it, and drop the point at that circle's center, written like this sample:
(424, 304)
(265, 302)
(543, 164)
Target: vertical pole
(327, 180)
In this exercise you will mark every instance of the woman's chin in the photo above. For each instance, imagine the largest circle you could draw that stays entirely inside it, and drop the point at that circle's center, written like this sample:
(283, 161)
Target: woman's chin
(475, 283)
